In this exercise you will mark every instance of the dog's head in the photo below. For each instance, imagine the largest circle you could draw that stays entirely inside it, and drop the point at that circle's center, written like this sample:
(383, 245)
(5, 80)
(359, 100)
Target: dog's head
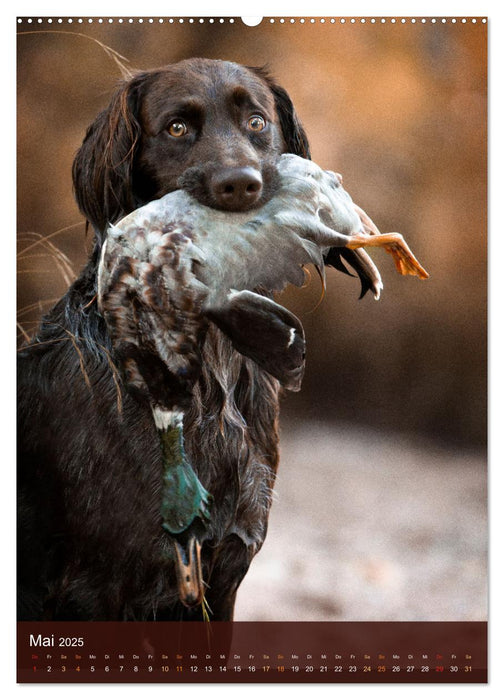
(214, 128)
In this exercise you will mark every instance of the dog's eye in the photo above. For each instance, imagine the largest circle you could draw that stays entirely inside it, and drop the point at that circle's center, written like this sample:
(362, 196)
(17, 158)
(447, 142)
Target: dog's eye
(177, 128)
(256, 123)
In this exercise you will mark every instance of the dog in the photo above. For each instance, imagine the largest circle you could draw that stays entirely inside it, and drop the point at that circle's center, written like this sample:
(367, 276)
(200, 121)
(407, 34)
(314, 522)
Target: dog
(90, 542)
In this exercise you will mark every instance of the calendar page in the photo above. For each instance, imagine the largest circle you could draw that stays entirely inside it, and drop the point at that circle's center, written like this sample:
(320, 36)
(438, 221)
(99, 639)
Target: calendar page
(252, 349)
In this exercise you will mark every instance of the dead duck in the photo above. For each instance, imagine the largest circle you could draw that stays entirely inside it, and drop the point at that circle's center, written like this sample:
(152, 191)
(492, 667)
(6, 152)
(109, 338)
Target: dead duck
(174, 266)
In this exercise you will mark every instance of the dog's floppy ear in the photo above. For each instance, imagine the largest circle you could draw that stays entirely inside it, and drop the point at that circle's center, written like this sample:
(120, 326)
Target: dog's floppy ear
(103, 167)
(294, 135)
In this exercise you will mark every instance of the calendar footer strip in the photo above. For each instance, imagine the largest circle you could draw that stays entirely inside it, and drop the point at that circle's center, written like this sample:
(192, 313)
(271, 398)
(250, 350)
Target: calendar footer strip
(252, 652)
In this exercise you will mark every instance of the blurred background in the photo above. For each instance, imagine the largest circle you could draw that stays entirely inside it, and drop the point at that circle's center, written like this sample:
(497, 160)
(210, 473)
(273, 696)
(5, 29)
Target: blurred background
(381, 497)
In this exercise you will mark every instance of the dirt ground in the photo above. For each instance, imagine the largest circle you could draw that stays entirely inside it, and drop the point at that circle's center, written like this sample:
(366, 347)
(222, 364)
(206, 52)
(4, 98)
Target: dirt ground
(371, 527)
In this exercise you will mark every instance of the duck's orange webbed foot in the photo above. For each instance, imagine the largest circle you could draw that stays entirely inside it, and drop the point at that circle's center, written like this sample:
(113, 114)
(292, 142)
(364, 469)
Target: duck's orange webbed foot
(396, 246)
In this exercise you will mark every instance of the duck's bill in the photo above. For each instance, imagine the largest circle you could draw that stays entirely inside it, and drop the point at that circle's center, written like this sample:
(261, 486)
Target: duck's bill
(189, 573)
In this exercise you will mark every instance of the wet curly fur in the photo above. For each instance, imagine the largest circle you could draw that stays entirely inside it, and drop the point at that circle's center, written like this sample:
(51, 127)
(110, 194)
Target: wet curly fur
(91, 546)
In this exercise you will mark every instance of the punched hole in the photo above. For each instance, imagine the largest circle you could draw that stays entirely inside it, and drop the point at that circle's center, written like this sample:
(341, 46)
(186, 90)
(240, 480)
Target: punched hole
(251, 21)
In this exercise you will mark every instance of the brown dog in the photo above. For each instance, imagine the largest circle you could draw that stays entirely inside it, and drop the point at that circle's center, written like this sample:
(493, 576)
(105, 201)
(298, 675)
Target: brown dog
(91, 546)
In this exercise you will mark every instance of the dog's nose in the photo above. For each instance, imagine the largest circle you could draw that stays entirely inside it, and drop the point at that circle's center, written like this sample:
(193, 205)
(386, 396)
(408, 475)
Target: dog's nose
(237, 189)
